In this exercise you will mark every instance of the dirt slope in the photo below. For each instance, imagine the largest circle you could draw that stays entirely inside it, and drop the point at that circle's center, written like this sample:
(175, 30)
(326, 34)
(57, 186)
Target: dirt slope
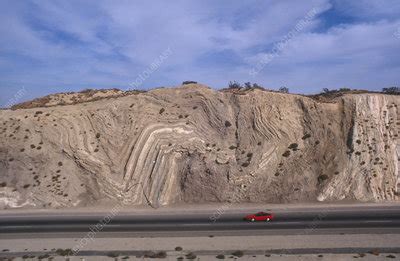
(196, 144)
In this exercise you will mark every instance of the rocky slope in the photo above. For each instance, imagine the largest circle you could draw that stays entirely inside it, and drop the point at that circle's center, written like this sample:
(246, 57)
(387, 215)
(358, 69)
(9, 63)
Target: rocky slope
(196, 144)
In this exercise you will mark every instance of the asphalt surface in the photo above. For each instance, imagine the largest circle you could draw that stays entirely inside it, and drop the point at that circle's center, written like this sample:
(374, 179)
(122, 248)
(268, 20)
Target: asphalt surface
(325, 220)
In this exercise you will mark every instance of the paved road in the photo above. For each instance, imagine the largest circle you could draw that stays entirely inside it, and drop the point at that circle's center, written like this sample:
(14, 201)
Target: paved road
(297, 231)
(353, 220)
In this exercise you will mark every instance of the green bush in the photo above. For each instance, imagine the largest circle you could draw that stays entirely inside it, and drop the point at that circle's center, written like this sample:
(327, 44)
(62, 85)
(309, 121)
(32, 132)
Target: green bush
(64, 252)
(191, 256)
(322, 178)
(238, 253)
(189, 82)
(284, 90)
(391, 90)
(234, 85)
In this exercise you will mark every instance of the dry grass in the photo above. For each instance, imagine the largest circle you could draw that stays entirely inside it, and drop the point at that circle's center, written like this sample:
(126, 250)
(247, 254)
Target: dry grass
(87, 95)
(36, 103)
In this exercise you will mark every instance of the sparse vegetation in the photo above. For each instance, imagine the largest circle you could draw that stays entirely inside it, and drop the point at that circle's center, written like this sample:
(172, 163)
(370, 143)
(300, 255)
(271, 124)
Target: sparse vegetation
(238, 253)
(161, 111)
(191, 256)
(284, 90)
(112, 254)
(322, 178)
(227, 124)
(188, 82)
(374, 252)
(45, 256)
(327, 91)
(238, 88)
(286, 154)
(151, 254)
(86, 91)
(161, 254)
(64, 252)
(245, 164)
(391, 90)
(247, 85)
(234, 85)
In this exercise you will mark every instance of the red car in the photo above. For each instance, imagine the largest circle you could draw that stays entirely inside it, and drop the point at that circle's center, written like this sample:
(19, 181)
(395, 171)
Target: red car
(260, 216)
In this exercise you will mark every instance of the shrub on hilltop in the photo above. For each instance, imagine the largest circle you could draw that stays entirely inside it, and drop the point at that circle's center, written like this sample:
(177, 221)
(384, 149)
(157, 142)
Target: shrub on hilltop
(391, 90)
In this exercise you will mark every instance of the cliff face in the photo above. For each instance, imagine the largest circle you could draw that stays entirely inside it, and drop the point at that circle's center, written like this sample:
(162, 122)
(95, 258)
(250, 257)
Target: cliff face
(195, 144)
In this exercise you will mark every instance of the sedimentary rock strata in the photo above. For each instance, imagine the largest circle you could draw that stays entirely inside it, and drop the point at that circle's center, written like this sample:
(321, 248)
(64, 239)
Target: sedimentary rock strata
(196, 144)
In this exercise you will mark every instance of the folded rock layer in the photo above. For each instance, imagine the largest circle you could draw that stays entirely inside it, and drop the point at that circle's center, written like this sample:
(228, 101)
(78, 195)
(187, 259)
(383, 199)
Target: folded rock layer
(194, 144)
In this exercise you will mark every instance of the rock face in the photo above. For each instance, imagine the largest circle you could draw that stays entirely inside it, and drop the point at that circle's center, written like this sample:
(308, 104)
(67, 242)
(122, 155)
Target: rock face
(196, 144)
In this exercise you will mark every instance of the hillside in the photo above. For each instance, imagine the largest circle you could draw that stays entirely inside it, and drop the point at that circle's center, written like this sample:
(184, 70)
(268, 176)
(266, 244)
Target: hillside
(194, 144)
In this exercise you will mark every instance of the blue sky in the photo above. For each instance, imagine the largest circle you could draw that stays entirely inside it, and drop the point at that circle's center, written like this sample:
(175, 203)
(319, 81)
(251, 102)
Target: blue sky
(56, 46)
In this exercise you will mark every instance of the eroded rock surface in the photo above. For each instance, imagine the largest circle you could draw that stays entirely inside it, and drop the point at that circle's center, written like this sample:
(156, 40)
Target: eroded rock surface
(196, 144)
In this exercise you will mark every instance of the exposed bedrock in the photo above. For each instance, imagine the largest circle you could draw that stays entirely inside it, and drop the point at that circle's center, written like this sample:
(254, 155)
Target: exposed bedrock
(195, 144)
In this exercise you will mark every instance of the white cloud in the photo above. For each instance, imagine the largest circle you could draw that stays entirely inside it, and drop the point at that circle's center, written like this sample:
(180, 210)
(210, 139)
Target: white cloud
(358, 56)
